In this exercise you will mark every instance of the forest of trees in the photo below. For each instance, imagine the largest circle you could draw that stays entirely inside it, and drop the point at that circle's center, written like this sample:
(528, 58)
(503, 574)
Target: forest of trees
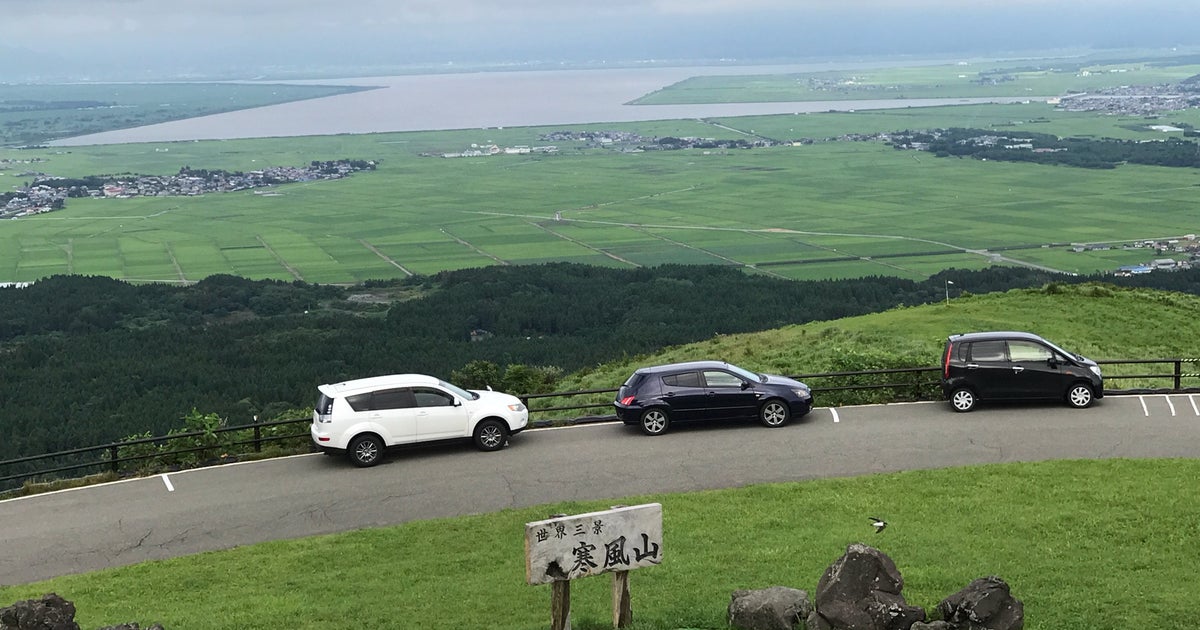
(90, 360)
(1080, 152)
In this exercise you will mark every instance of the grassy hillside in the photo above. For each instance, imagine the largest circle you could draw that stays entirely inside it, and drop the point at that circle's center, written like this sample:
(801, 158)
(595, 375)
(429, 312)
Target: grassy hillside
(1097, 320)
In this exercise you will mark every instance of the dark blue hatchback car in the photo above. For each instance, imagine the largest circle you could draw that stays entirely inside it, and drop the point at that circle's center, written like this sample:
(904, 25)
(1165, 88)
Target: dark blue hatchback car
(654, 397)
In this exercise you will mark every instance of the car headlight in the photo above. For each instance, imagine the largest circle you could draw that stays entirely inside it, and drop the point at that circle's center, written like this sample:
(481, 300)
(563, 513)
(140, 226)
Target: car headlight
(517, 407)
(802, 392)
(1095, 369)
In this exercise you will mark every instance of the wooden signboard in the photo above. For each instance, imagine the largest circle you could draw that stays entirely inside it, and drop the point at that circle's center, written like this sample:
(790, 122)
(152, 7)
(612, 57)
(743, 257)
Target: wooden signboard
(566, 547)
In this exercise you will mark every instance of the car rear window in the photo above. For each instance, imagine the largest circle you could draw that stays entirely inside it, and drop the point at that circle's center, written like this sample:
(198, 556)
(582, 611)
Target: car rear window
(360, 402)
(683, 379)
(324, 405)
(988, 351)
(634, 379)
(400, 398)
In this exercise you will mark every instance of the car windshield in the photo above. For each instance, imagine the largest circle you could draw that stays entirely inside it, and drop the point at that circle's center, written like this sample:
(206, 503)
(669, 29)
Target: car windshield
(460, 392)
(746, 374)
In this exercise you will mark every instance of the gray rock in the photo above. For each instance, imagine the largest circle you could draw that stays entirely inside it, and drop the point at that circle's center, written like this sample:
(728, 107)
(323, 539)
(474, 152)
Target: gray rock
(861, 591)
(51, 612)
(774, 608)
(817, 622)
(932, 625)
(985, 604)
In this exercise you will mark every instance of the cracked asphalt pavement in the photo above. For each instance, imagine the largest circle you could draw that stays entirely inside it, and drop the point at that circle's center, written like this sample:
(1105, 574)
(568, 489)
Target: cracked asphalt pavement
(136, 520)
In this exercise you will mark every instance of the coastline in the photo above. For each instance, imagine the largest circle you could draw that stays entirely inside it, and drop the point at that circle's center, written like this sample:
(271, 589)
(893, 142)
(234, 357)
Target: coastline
(433, 102)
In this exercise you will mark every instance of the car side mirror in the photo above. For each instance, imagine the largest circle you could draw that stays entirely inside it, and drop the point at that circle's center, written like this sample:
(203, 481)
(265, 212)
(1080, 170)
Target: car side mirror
(746, 385)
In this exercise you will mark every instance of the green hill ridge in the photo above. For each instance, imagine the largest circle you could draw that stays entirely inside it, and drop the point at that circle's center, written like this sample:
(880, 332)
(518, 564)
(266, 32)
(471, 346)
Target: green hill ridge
(1097, 320)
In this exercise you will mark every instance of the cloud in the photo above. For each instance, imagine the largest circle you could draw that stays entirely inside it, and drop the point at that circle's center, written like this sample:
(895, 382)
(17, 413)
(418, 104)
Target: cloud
(116, 16)
(125, 34)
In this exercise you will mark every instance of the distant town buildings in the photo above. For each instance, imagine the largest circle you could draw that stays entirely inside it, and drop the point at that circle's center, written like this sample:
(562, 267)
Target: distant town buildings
(48, 193)
(1173, 254)
(622, 141)
(1134, 100)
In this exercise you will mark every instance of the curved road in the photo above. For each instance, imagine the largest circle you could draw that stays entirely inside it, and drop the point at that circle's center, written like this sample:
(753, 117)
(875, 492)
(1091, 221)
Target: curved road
(216, 508)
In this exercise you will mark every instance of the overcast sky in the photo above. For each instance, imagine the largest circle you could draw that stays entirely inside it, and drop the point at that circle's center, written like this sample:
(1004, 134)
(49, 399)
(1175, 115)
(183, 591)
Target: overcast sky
(144, 36)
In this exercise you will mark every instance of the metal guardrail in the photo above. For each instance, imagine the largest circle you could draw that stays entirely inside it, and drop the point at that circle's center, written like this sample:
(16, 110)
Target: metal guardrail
(109, 457)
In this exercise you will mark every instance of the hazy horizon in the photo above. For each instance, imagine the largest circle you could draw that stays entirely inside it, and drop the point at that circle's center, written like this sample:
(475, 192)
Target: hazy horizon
(68, 40)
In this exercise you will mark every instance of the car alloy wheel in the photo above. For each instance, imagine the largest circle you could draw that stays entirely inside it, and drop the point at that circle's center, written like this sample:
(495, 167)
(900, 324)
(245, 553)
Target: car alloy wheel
(655, 422)
(366, 450)
(1079, 396)
(962, 399)
(774, 413)
(490, 435)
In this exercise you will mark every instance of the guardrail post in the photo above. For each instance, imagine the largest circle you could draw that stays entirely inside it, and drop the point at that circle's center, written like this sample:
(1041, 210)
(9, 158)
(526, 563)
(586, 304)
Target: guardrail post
(257, 436)
(115, 452)
(1178, 374)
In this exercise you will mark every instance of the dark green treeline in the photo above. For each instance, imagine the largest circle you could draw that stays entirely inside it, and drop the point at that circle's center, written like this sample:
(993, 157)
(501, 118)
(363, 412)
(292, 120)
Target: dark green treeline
(90, 360)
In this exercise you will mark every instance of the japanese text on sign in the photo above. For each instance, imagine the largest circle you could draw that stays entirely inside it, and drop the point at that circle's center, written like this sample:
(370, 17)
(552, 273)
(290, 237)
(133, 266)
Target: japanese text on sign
(570, 547)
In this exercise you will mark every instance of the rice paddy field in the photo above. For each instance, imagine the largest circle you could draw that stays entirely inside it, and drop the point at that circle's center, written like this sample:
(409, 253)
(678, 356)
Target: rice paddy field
(833, 208)
(965, 79)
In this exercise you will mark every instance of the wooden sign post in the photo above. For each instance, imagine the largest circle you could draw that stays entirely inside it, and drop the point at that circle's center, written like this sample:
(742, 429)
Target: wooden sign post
(563, 548)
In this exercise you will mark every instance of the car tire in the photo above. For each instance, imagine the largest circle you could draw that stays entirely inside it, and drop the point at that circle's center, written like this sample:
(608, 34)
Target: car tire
(365, 450)
(962, 399)
(490, 435)
(654, 421)
(1080, 396)
(774, 413)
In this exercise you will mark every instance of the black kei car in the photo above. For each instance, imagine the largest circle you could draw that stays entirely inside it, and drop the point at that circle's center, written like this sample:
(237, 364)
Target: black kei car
(1015, 366)
(654, 397)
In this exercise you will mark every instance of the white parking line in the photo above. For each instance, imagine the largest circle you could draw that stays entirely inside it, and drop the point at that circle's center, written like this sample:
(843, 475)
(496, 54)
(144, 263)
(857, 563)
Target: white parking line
(833, 411)
(1171, 405)
(1145, 411)
(1192, 398)
(167, 481)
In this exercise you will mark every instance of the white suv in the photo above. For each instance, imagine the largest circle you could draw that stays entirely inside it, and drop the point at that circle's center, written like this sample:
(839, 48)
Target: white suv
(363, 417)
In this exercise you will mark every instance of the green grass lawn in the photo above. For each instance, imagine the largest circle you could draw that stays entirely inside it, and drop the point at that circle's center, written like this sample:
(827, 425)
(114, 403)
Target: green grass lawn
(1084, 544)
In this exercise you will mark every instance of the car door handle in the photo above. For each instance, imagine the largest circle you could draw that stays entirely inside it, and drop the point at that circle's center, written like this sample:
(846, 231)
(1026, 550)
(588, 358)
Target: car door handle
(711, 394)
(1018, 369)
(669, 394)
(972, 366)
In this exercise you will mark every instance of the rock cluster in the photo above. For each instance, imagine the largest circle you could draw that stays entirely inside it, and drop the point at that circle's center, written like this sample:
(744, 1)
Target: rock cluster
(862, 591)
(49, 612)
(774, 608)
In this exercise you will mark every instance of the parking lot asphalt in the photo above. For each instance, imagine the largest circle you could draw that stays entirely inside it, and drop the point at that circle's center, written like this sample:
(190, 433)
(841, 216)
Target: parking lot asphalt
(187, 512)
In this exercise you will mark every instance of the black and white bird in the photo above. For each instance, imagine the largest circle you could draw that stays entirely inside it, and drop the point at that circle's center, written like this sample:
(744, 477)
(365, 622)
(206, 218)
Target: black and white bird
(878, 523)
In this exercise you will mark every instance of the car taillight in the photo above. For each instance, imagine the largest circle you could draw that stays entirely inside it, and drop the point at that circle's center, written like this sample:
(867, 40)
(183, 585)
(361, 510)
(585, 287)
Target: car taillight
(628, 400)
(946, 360)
